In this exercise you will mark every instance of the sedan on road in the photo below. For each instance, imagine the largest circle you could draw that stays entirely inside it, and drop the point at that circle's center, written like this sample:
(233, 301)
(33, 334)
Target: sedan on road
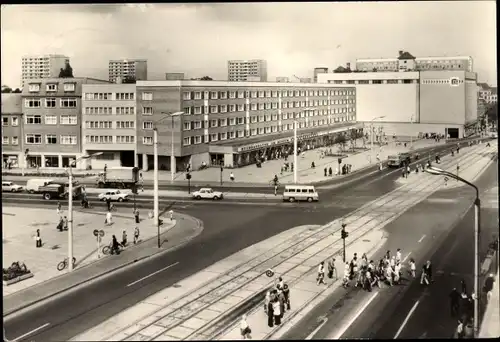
(11, 187)
(114, 195)
(207, 193)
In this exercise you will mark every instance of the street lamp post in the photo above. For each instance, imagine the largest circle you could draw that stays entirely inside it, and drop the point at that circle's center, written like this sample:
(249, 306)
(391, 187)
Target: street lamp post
(477, 231)
(411, 132)
(371, 135)
(70, 207)
(156, 210)
(295, 158)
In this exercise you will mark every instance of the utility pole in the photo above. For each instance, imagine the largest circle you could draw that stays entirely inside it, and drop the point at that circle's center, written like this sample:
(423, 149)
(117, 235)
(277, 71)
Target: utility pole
(344, 235)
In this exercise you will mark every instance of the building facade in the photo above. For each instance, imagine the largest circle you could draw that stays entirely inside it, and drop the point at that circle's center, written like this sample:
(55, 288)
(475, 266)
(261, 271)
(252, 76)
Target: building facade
(464, 63)
(282, 79)
(246, 70)
(109, 124)
(12, 130)
(487, 93)
(42, 66)
(232, 123)
(52, 120)
(128, 68)
(317, 71)
(409, 103)
(174, 76)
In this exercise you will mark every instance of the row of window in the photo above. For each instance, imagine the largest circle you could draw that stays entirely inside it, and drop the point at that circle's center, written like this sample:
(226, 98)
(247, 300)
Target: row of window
(10, 140)
(51, 120)
(51, 139)
(109, 139)
(441, 81)
(404, 81)
(51, 87)
(109, 124)
(199, 139)
(14, 121)
(109, 96)
(51, 103)
(246, 94)
(109, 110)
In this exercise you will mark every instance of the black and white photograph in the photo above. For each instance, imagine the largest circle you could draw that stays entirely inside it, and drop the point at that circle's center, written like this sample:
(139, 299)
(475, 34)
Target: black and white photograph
(250, 171)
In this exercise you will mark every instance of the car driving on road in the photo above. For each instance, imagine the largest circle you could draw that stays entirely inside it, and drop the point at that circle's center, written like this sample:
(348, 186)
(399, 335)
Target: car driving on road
(11, 187)
(398, 160)
(114, 195)
(207, 193)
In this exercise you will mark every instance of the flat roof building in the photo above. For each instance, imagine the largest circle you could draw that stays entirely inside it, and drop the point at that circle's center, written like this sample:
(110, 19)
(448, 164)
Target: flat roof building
(321, 70)
(247, 70)
(12, 129)
(128, 68)
(174, 76)
(42, 66)
(52, 120)
(234, 123)
(109, 124)
(411, 102)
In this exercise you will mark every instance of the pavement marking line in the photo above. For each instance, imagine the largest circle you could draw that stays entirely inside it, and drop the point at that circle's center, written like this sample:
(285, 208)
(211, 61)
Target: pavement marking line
(422, 238)
(152, 274)
(311, 335)
(31, 332)
(344, 328)
(406, 257)
(406, 319)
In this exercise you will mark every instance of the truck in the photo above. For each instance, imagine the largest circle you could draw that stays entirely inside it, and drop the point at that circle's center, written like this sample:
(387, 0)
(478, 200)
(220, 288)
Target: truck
(398, 160)
(118, 178)
(59, 190)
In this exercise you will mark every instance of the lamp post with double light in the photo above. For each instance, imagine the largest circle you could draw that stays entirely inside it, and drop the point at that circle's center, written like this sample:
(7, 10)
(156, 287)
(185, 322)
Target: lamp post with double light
(156, 210)
(371, 135)
(477, 231)
(70, 206)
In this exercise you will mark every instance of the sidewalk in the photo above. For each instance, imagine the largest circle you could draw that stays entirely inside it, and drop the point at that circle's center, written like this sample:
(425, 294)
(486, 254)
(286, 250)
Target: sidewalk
(195, 308)
(20, 225)
(490, 327)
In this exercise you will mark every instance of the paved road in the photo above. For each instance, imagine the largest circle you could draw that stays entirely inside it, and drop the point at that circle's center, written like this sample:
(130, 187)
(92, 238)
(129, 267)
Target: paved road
(242, 225)
(446, 238)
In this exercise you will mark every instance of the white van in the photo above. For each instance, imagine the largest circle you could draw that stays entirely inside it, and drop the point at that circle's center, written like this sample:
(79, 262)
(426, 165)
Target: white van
(33, 184)
(300, 193)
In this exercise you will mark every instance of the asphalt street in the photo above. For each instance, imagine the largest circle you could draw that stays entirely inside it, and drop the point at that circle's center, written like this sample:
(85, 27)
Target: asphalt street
(439, 229)
(241, 225)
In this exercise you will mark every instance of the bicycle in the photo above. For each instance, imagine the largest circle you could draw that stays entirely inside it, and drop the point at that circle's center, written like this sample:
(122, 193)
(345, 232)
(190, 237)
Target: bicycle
(106, 250)
(273, 183)
(63, 264)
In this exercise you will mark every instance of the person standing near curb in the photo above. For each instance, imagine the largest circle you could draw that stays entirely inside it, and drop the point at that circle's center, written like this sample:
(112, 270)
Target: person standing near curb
(136, 235)
(38, 239)
(245, 328)
(136, 215)
(276, 311)
(321, 273)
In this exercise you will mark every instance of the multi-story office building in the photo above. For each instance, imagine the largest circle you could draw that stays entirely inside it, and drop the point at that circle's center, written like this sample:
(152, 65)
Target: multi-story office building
(42, 66)
(317, 71)
(487, 93)
(52, 120)
(406, 103)
(406, 62)
(12, 130)
(128, 68)
(109, 124)
(239, 70)
(231, 123)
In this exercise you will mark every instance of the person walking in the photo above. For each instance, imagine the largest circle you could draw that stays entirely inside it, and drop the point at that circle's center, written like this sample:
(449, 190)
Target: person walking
(38, 239)
(286, 292)
(270, 312)
(282, 301)
(398, 255)
(413, 268)
(245, 328)
(136, 235)
(276, 311)
(124, 238)
(108, 219)
(454, 302)
(59, 208)
(136, 215)
(267, 300)
(332, 269)
(321, 273)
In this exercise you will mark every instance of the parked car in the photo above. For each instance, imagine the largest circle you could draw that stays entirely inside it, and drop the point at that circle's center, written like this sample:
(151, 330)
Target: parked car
(207, 193)
(114, 195)
(11, 187)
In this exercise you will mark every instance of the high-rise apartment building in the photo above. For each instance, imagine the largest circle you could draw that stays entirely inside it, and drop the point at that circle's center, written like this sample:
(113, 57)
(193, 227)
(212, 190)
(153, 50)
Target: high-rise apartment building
(248, 70)
(42, 66)
(128, 68)
(317, 71)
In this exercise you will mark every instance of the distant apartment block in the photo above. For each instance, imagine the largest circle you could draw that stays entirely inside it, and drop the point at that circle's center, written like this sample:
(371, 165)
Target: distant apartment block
(407, 62)
(317, 71)
(42, 66)
(487, 93)
(128, 68)
(52, 121)
(248, 70)
(12, 127)
(174, 76)
(282, 79)
(109, 124)
(305, 80)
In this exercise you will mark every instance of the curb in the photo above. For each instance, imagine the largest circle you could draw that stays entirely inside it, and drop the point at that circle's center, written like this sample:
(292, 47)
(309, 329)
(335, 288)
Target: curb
(104, 273)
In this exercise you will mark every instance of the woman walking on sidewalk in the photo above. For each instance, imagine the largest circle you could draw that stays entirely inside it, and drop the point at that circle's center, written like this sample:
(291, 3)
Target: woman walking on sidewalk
(321, 273)
(245, 328)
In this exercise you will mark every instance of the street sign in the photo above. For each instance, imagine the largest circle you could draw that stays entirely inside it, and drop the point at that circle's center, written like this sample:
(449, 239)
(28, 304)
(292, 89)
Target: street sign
(269, 273)
(96, 232)
(101, 233)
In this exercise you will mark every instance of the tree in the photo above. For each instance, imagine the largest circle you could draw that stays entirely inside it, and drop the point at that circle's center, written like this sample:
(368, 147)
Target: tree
(206, 78)
(17, 91)
(6, 89)
(129, 79)
(66, 72)
(492, 113)
(341, 141)
(353, 136)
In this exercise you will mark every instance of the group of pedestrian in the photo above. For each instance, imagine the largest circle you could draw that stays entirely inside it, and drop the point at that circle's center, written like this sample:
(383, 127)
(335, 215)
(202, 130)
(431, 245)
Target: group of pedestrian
(277, 301)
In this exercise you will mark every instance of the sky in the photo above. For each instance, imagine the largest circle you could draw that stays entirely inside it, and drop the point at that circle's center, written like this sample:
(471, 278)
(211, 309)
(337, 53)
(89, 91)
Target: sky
(199, 38)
